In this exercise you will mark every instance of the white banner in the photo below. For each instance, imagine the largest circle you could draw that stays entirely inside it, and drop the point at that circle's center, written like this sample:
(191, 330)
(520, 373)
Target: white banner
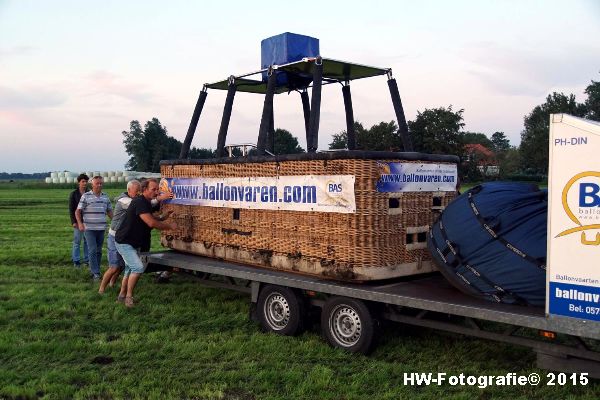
(574, 218)
(321, 193)
(416, 177)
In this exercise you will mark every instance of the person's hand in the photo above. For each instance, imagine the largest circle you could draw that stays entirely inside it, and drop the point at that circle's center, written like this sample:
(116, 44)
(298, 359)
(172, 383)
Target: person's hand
(165, 195)
(81, 227)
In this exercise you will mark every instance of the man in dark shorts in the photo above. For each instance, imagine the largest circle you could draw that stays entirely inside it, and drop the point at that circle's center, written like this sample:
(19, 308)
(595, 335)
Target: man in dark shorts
(133, 236)
(115, 261)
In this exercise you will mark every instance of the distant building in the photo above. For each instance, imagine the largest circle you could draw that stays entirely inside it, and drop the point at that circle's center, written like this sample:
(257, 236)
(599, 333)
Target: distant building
(484, 158)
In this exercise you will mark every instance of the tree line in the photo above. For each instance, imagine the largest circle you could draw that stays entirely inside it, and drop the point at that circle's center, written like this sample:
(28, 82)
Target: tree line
(147, 146)
(434, 130)
(20, 176)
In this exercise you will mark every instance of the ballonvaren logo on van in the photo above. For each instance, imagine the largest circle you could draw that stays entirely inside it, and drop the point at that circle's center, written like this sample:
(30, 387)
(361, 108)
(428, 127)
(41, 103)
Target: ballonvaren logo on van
(596, 199)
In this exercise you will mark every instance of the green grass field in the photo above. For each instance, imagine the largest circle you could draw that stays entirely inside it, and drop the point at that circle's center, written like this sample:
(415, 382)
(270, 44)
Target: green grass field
(60, 339)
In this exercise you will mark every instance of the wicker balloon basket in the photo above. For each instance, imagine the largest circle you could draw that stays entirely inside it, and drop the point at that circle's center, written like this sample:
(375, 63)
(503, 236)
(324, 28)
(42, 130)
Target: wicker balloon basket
(383, 237)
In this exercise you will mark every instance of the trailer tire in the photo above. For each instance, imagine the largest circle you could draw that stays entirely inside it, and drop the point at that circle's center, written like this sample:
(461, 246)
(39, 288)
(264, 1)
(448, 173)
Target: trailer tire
(280, 310)
(347, 324)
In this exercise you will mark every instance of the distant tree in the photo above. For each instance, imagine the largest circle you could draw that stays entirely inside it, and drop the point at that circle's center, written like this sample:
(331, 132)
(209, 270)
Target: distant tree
(20, 175)
(201, 153)
(500, 143)
(161, 145)
(286, 143)
(437, 131)
(135, 146)
(469, 170)
(383, 136)
(380, 137)
(592, 104)
(147, 147)
(510, 162)
(340, 140)
(477, 138)
(506, 155)
(534, 138)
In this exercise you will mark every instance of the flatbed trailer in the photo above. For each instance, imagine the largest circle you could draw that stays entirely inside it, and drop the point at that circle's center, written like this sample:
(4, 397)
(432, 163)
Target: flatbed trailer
(349, 311)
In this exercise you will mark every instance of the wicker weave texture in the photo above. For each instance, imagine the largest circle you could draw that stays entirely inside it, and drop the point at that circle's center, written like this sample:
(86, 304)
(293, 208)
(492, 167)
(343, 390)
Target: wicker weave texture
(379, 234)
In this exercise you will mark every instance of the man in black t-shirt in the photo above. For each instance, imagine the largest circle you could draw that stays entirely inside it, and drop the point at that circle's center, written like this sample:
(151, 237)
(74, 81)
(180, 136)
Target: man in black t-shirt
(74, 197)
(133, 236)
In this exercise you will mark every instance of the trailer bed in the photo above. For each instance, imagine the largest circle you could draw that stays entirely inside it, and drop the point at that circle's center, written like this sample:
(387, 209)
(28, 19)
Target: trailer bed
(430, 293)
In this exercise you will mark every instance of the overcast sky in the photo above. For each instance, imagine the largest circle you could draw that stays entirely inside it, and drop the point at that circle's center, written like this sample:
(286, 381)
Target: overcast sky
(73, 74)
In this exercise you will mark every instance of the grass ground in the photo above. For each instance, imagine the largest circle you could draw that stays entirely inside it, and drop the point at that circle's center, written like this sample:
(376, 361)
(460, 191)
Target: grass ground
(60, 339)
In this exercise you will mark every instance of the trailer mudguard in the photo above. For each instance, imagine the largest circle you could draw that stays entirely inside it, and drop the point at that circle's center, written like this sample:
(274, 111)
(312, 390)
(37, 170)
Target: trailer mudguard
(490, 243)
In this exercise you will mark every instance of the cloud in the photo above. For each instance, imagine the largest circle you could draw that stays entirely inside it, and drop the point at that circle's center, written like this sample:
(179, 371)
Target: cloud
(32, 97)
(107, 83)
(16, 51)
(530, 72)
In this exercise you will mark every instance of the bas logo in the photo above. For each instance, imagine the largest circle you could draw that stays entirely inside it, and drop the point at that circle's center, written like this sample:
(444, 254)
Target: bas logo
(334, 187)
(587, 200)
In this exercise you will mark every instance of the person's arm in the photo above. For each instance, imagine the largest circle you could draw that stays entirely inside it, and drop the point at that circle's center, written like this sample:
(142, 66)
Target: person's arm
(164, 216)
(156, 206)
(109, 208)
(155, 223)
(79, 213)
(72, 209)
(165, 196)
(79, 220)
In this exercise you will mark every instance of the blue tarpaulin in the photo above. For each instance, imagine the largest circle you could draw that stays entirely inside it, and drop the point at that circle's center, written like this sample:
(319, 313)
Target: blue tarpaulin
(490, 242)
(287, 48)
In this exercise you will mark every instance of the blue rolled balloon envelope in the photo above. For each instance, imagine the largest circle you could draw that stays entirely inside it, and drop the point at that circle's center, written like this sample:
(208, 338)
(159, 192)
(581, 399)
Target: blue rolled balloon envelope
(490, 243)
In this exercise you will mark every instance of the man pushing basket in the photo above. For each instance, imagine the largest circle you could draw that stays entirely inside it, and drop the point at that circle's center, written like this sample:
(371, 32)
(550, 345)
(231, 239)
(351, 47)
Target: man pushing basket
(133, 236)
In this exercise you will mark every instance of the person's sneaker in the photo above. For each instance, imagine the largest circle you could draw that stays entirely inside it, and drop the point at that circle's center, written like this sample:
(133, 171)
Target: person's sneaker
(120, 299)
(96, 278)
(129, 302)
(77, 265)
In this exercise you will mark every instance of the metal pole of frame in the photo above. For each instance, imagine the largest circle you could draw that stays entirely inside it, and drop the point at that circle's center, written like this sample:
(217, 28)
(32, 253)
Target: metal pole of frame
(402, 126)
(185, 148)
(267, 114)
(226, 117)
(306, 109)
(349, 116)
(315, 107)
(271, 136)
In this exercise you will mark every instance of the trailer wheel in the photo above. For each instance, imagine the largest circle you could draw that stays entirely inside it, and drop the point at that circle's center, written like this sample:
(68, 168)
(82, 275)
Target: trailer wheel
(280, 310)
(348, 324)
